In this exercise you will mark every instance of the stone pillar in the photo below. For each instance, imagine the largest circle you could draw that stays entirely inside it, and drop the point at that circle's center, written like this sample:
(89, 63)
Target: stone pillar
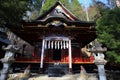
(100, 62)
(7, 60)
(99, 59)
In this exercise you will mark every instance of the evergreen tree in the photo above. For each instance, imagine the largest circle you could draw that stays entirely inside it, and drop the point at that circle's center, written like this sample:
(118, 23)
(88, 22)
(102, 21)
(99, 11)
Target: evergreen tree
(96, 8)
(108, 29)
(35, 7)
(93, 13)
(12, 11)
(112, 3)
(77, 10)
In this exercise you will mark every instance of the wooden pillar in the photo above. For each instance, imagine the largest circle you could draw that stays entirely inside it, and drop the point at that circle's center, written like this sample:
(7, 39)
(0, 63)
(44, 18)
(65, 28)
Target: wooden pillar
(42, 54)
(70, 57)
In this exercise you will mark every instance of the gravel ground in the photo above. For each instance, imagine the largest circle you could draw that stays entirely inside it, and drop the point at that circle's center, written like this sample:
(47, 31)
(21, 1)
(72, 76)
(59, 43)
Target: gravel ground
(45, 77)
(111, 75)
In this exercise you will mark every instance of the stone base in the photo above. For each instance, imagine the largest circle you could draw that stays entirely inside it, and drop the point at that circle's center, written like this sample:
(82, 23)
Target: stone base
(100, 62)
(55, 71)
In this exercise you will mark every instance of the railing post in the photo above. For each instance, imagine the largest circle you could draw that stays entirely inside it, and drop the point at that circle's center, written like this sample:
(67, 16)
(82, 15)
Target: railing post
(42, 54)
(70, 57)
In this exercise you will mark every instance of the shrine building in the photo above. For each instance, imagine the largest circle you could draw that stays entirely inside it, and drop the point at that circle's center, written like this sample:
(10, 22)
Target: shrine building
(58, 37)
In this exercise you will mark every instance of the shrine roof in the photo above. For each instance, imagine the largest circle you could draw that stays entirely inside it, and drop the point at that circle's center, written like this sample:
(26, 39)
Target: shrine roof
(60, 13)
(57, 20)
(68, 22)
(58, 10)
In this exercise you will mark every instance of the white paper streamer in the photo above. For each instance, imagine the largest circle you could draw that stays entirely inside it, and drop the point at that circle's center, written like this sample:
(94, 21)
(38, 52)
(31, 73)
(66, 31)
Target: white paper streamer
(64, 44)
(52, 45)
(55, 44)
(48, 44)
(58, 45)
(61, 44)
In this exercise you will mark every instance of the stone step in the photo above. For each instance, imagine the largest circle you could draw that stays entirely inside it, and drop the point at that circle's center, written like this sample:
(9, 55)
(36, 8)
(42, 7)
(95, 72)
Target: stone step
(57, 70)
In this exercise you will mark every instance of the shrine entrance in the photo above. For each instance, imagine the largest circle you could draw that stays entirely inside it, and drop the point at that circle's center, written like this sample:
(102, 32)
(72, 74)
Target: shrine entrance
(56, 44)
(57, 54)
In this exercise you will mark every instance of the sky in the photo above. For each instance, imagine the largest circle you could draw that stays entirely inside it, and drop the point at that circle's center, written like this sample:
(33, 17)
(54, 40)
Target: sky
(88, 2)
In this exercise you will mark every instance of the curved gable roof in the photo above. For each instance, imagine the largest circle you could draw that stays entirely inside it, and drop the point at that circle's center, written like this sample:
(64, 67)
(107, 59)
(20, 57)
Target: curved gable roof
(57, 16)
(58, 10)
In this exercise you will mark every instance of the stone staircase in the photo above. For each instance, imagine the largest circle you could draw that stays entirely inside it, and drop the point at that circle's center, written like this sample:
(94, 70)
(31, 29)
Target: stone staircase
(57, 70)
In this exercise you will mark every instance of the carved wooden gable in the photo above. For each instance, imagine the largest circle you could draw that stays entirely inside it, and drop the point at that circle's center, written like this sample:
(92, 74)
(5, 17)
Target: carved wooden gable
(58, 10)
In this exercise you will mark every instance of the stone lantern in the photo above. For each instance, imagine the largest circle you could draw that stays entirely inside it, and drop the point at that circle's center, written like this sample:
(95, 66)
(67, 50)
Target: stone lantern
(99, 60)
(7, 60)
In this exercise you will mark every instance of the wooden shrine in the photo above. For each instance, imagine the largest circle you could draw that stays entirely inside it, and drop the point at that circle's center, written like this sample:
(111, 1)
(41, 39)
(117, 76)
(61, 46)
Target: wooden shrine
(58, 37)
